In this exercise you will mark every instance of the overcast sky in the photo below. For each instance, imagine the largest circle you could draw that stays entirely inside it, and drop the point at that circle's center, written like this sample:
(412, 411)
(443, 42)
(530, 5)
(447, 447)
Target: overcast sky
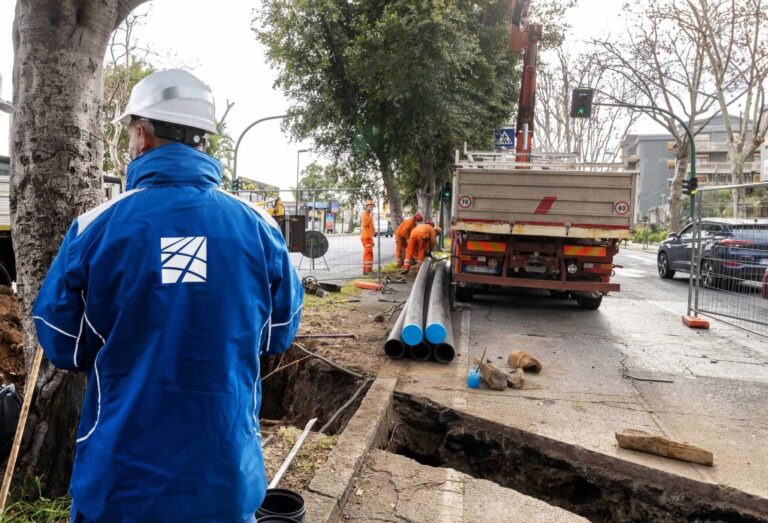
(215, 41)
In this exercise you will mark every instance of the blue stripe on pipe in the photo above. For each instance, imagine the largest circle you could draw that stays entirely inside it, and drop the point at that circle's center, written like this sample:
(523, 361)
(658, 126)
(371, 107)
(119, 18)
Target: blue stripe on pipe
(436, 333)
(412, 334)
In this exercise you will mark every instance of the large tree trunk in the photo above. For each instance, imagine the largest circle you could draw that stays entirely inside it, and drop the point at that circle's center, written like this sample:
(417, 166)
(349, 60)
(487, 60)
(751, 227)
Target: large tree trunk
(56, 161)
(676, 197)
(425, 194)
(393, 191)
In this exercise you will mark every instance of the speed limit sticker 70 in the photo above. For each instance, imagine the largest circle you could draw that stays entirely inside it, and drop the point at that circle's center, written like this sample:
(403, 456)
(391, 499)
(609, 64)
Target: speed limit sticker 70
(465, 202)
(621, 208)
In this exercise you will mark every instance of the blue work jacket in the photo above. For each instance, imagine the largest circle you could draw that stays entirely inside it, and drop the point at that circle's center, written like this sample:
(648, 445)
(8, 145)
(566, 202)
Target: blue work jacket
(166, 296)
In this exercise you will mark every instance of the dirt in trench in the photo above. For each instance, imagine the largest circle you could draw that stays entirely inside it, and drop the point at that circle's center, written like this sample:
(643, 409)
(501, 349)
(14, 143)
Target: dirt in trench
(368, 315)
(11, 352)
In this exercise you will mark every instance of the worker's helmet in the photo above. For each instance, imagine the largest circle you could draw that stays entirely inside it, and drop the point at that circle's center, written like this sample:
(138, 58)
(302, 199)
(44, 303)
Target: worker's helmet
(174, 97)
(437, 229)
(430, 222)
(418, 217)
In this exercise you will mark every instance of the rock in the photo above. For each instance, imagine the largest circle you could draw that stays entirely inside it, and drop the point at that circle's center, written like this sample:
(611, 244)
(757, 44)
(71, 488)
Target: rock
(516, 379)
(522, 360)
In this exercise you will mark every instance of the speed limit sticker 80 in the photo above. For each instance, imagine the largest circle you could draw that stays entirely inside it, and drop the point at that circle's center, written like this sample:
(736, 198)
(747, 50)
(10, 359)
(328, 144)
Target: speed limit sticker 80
(465, 202)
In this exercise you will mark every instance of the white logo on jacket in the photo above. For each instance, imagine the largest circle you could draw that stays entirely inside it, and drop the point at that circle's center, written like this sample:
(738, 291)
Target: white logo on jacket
(184, 259)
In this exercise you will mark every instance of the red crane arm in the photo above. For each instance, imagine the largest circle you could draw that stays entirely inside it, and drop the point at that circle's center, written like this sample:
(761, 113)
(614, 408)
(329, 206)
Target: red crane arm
(525, 37)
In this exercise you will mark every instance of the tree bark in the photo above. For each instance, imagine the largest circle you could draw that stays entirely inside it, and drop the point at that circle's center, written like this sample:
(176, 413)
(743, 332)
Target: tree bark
(56, 160)
(393, 191)
(425, 194)
(682, 155)
(739, 195)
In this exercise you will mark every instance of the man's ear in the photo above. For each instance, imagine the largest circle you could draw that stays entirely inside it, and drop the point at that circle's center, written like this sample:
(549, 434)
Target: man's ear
(145, 140)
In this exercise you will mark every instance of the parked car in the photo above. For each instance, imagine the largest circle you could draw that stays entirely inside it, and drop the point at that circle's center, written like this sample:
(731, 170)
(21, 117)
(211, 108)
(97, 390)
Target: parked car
(764, 288)
(383, 227)
(731, 250)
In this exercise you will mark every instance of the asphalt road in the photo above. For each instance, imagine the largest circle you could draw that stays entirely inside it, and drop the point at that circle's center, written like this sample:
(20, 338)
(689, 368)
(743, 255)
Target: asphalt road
(741, 305)
(344, 259)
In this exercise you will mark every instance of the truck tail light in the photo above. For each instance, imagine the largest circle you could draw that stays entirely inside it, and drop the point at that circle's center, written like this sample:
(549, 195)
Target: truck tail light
(598, 268)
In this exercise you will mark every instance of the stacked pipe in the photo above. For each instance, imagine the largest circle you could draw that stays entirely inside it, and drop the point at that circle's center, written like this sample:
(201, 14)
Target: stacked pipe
(423, 330)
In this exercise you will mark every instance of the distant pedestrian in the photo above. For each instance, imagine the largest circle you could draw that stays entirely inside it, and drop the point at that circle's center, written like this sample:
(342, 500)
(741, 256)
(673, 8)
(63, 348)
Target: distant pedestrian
(166, 297)
(403, 234)
(367, 232)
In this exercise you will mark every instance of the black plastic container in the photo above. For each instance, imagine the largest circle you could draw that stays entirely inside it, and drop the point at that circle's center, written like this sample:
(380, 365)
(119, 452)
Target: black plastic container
(282, 502)
(276, 519)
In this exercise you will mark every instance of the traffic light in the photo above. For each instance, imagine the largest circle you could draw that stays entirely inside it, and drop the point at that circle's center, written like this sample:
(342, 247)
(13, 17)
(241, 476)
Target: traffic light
(690, 185)
(236, 184)
(581, 103)
(447, 191)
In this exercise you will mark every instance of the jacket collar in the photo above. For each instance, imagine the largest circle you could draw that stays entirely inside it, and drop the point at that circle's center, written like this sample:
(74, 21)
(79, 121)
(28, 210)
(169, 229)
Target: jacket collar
(174, 164)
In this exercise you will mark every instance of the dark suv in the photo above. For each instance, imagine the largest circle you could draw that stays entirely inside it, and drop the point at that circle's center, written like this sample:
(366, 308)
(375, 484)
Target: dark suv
(731, 250)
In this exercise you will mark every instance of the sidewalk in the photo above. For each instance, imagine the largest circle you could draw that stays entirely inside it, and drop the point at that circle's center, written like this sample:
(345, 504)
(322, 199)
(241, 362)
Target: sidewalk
(396, 488)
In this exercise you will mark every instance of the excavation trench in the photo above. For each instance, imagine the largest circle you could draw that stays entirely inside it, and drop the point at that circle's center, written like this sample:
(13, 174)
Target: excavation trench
(601, 488)
(306, 389)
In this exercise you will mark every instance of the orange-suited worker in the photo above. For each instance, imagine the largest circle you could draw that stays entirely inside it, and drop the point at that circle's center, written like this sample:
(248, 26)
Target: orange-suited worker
(367, 231)
(403, 234)
(422, 241)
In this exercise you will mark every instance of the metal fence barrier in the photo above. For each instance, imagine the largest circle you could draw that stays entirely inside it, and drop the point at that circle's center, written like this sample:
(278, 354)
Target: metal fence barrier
(729, 256)
(322, 230)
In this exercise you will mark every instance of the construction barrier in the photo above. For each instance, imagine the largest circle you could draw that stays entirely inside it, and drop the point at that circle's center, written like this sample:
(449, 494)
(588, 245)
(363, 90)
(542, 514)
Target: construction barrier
(728, 248)
(322, 229)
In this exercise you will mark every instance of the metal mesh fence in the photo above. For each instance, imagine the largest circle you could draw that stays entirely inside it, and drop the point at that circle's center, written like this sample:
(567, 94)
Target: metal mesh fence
(729, 255)
(322, 230)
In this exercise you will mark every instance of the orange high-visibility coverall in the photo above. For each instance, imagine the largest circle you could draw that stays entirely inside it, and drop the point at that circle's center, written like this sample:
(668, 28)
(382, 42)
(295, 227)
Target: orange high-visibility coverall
(402, 235)
(423, 239)
(367, 231)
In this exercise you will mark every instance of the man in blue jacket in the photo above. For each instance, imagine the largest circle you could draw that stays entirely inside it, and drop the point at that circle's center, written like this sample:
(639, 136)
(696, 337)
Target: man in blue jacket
(167, 296)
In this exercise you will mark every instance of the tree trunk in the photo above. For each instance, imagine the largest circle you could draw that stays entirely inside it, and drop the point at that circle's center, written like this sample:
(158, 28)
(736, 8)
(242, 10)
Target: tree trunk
(425, 194)
(676, 197)
(739, 195)
(393, 192)
(56, 162)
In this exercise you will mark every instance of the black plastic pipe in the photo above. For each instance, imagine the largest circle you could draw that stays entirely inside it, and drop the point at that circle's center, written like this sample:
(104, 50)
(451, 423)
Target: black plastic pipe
(420, 352)
(413, 325)
(394, 346)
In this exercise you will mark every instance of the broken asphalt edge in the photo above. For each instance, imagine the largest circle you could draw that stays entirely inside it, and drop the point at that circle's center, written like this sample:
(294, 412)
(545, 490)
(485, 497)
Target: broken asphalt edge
(328, 491)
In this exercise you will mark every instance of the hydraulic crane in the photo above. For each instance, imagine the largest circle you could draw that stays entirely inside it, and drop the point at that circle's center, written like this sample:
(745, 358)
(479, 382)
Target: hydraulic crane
(524, 36)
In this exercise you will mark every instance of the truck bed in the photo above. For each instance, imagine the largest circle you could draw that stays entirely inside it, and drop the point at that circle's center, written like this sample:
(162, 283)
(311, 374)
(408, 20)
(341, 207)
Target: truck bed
(567, 200)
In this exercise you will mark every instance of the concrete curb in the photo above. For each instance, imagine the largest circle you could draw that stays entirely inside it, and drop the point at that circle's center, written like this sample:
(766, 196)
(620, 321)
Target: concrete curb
(328, 491)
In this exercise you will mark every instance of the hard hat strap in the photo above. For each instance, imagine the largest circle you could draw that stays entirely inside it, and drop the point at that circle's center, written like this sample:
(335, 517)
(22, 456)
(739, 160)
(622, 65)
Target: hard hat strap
(186, 135)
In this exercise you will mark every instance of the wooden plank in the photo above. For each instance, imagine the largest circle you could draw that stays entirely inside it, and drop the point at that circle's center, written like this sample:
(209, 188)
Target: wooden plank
(646, 442)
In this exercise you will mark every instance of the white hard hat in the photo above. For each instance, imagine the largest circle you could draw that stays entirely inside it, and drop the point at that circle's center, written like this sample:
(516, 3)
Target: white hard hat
(173, 96)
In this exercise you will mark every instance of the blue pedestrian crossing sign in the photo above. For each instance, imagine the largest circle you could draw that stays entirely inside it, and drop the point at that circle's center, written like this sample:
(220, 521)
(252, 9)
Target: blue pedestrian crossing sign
(505, 138)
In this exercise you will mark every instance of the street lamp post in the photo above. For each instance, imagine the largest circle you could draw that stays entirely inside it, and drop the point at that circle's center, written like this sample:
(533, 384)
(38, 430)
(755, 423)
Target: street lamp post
(298, 164)
(242, 135)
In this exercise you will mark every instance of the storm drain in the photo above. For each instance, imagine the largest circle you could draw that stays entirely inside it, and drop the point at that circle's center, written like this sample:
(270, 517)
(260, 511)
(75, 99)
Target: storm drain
(595, 486)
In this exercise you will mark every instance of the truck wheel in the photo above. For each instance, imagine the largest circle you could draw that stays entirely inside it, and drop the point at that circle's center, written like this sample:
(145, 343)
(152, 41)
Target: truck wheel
(589, 303)
(464, 294)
